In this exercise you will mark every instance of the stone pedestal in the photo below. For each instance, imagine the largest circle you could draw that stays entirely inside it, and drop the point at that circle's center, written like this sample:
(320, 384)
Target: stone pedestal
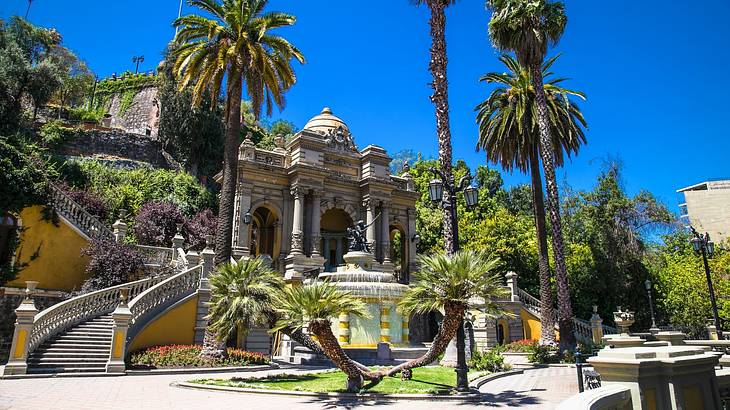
(25, 316)
(673, 338)
(622, 340)
(673, 377)
(122, 317)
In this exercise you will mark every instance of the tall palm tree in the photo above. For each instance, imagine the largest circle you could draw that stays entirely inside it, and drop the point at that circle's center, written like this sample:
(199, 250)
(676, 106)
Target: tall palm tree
(241, 297)
(314, 306)
(528, 27)
(452, 284)
(508, 133)
(236, 44)
(440, 98)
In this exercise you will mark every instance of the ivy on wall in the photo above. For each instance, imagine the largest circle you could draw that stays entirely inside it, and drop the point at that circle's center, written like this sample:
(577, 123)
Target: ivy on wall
(127, 87)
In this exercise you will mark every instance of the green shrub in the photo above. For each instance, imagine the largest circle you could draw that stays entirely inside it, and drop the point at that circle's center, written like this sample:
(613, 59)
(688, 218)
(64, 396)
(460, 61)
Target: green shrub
(521, 346)
(491, 360)
(189, 356)
(55, 133)
(87, 115)
(541, 354)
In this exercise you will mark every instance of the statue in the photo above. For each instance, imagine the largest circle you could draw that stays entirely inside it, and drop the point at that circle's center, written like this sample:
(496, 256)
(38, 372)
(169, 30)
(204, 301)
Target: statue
(358, 238)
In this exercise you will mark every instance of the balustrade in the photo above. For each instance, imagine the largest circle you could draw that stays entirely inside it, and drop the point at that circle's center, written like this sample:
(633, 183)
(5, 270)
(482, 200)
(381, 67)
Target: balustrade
(78, 216)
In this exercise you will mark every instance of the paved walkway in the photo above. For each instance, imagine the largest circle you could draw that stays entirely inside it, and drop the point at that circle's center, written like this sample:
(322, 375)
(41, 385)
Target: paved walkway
(533, 390)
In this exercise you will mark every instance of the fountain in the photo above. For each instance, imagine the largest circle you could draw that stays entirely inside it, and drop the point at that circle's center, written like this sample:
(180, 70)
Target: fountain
(624, 319)
(383, 336)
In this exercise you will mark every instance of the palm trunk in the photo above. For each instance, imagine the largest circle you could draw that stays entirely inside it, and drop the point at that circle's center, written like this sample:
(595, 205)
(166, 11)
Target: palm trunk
(440, 98)
(212, 347)
(333, 350)
(224, 228)
(547, 314)
(453, 315)
(565, 310)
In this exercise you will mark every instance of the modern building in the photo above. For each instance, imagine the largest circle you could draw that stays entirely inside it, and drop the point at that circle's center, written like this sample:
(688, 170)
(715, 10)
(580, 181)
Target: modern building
(706, 207)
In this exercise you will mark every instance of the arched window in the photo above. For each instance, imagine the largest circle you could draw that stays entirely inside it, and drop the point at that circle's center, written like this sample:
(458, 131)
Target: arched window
(8, 230)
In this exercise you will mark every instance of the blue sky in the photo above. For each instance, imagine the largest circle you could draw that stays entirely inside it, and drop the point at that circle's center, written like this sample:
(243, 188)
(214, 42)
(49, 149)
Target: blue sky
(652, 71)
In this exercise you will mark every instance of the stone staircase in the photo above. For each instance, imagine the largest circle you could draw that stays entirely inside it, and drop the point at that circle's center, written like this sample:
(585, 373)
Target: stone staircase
(83, 348)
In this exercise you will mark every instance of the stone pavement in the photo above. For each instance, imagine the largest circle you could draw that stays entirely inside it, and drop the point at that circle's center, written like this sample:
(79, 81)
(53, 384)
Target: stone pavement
(533, 390)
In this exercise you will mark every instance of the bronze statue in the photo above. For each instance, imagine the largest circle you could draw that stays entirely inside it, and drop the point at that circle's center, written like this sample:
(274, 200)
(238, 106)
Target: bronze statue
(358, 238)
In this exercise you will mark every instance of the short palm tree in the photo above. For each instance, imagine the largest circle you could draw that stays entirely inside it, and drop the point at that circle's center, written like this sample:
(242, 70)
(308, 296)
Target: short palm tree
(528, 27)
(235, 43)
(451, 284)
(440, 97)
(314, 306)
(508, 133)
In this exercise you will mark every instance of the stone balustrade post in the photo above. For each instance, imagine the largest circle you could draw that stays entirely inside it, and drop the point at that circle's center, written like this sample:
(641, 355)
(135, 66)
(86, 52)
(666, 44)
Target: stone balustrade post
(344, 328)
(120, 230)
(512, 285)
(25, 314)
(207, 256)
(712, 332)
(121, 316)
(596, 326)
(178, 239)
(193, 258)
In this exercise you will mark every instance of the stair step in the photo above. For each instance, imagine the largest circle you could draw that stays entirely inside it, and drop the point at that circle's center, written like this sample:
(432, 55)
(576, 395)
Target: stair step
(74, 347)
(94, 326)
(81, 334)
(70, 354)
(66, 369)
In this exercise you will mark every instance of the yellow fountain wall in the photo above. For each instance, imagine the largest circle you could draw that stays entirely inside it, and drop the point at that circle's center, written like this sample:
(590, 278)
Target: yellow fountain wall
(59, 264)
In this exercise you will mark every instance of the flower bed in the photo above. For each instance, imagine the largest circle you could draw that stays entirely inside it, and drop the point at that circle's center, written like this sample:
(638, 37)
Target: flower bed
(182, 356)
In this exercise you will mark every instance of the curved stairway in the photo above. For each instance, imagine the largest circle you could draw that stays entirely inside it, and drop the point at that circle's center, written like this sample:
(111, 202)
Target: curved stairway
(83, 348)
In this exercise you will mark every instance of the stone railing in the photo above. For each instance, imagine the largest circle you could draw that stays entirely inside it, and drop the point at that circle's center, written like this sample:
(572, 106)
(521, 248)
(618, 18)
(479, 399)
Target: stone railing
(78, 216)
(61, 316)
(146, 305)
(613, 397)
(531, 303)
(156, 255)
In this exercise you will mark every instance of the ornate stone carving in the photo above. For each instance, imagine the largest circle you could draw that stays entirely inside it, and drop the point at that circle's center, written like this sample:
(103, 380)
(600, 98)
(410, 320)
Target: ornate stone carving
(296, 240)
(340, 139)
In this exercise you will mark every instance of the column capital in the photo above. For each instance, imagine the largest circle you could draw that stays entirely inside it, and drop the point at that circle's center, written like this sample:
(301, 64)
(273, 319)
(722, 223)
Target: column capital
(296, 191)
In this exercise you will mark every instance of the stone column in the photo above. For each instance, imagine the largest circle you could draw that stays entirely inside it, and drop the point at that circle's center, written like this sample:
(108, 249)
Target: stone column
(344, 329)
(201, 323)
(25, 314)
(385, 323)
(385, 232)
(338, 251)
(122, 316)
(412, 240)
(297, 227)
(512, 285)
(326, 248)
(241, 237)
(370, 216)
(596, 326)
(120, 230)
(314, 234)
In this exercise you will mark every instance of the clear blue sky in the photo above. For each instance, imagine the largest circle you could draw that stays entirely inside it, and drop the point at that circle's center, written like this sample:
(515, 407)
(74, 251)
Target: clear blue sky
(654, 73)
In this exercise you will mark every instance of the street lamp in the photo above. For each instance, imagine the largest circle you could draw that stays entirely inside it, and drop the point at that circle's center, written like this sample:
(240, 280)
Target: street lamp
(436, 194)
(647, 285)
(137, 60)
(703, 245)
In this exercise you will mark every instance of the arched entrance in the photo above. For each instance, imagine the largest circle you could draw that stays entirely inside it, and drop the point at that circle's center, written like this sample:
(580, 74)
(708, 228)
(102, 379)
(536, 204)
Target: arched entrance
(264, 235)
(333, 225)
(399, 252)
(8, 235)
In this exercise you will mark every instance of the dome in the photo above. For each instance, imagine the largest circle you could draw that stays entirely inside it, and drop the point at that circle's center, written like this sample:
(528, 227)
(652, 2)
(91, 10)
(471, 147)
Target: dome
(325, 122)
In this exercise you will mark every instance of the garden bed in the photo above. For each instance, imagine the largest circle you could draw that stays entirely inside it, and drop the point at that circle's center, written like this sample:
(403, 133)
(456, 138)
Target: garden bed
(434, 380)
(188, 357)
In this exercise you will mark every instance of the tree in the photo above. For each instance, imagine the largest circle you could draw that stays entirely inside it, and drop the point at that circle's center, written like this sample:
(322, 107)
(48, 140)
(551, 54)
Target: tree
(509, 134)
(236, 44)
(440, 99)
(315, 305)
(241, 297)
(451, 284)
(528, 27)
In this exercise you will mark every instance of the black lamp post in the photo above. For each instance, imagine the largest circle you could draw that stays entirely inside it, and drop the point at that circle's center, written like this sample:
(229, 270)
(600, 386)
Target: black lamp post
(647, 285)
(137, 60)
(471, 195)
(703, 245)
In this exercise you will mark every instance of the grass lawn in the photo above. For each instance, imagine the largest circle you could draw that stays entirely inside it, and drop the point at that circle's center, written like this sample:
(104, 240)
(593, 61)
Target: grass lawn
(426, 380)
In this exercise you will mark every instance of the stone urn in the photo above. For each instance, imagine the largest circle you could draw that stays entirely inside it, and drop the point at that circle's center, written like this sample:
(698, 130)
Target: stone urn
(623, 319)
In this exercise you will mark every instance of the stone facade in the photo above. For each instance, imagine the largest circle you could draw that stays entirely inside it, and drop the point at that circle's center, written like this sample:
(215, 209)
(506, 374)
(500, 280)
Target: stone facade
(141, 117)
(117, 144)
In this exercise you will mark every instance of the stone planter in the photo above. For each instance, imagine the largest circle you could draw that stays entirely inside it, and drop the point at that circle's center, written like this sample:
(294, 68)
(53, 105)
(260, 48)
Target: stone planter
(516, 358)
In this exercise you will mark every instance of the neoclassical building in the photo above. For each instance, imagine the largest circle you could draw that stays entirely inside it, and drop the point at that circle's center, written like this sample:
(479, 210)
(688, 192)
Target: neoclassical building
(296, 202)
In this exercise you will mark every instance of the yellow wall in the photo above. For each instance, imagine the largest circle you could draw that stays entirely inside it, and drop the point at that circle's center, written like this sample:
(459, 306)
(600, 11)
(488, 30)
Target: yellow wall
(176, 326)
(59, 265)
(530, 324)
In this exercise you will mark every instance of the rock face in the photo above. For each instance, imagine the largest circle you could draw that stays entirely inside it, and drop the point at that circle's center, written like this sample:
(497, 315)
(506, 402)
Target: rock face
(140, 117)
(118, 145)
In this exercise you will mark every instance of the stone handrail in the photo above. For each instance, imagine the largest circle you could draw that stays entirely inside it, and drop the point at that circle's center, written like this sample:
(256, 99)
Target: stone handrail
(582, 330)
(78, 216)
(61, 316)
(156, 255)
(147, 304)
(530, 302)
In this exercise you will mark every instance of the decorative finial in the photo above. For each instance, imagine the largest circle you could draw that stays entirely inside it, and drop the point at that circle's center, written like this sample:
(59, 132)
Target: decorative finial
(406, 167)
(209, 241)
(326, 110)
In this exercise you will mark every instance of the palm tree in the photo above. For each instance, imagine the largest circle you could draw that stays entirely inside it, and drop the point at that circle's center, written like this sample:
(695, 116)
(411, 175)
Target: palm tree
(241, 297)
(452, 284)
(528, 27)
(235, 44)
(508, 133)
(315, 305)
(440, 98)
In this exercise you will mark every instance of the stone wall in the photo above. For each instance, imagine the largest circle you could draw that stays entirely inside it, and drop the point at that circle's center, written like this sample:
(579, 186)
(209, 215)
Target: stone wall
(141, 117)
(8, 304)
(118, 145)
